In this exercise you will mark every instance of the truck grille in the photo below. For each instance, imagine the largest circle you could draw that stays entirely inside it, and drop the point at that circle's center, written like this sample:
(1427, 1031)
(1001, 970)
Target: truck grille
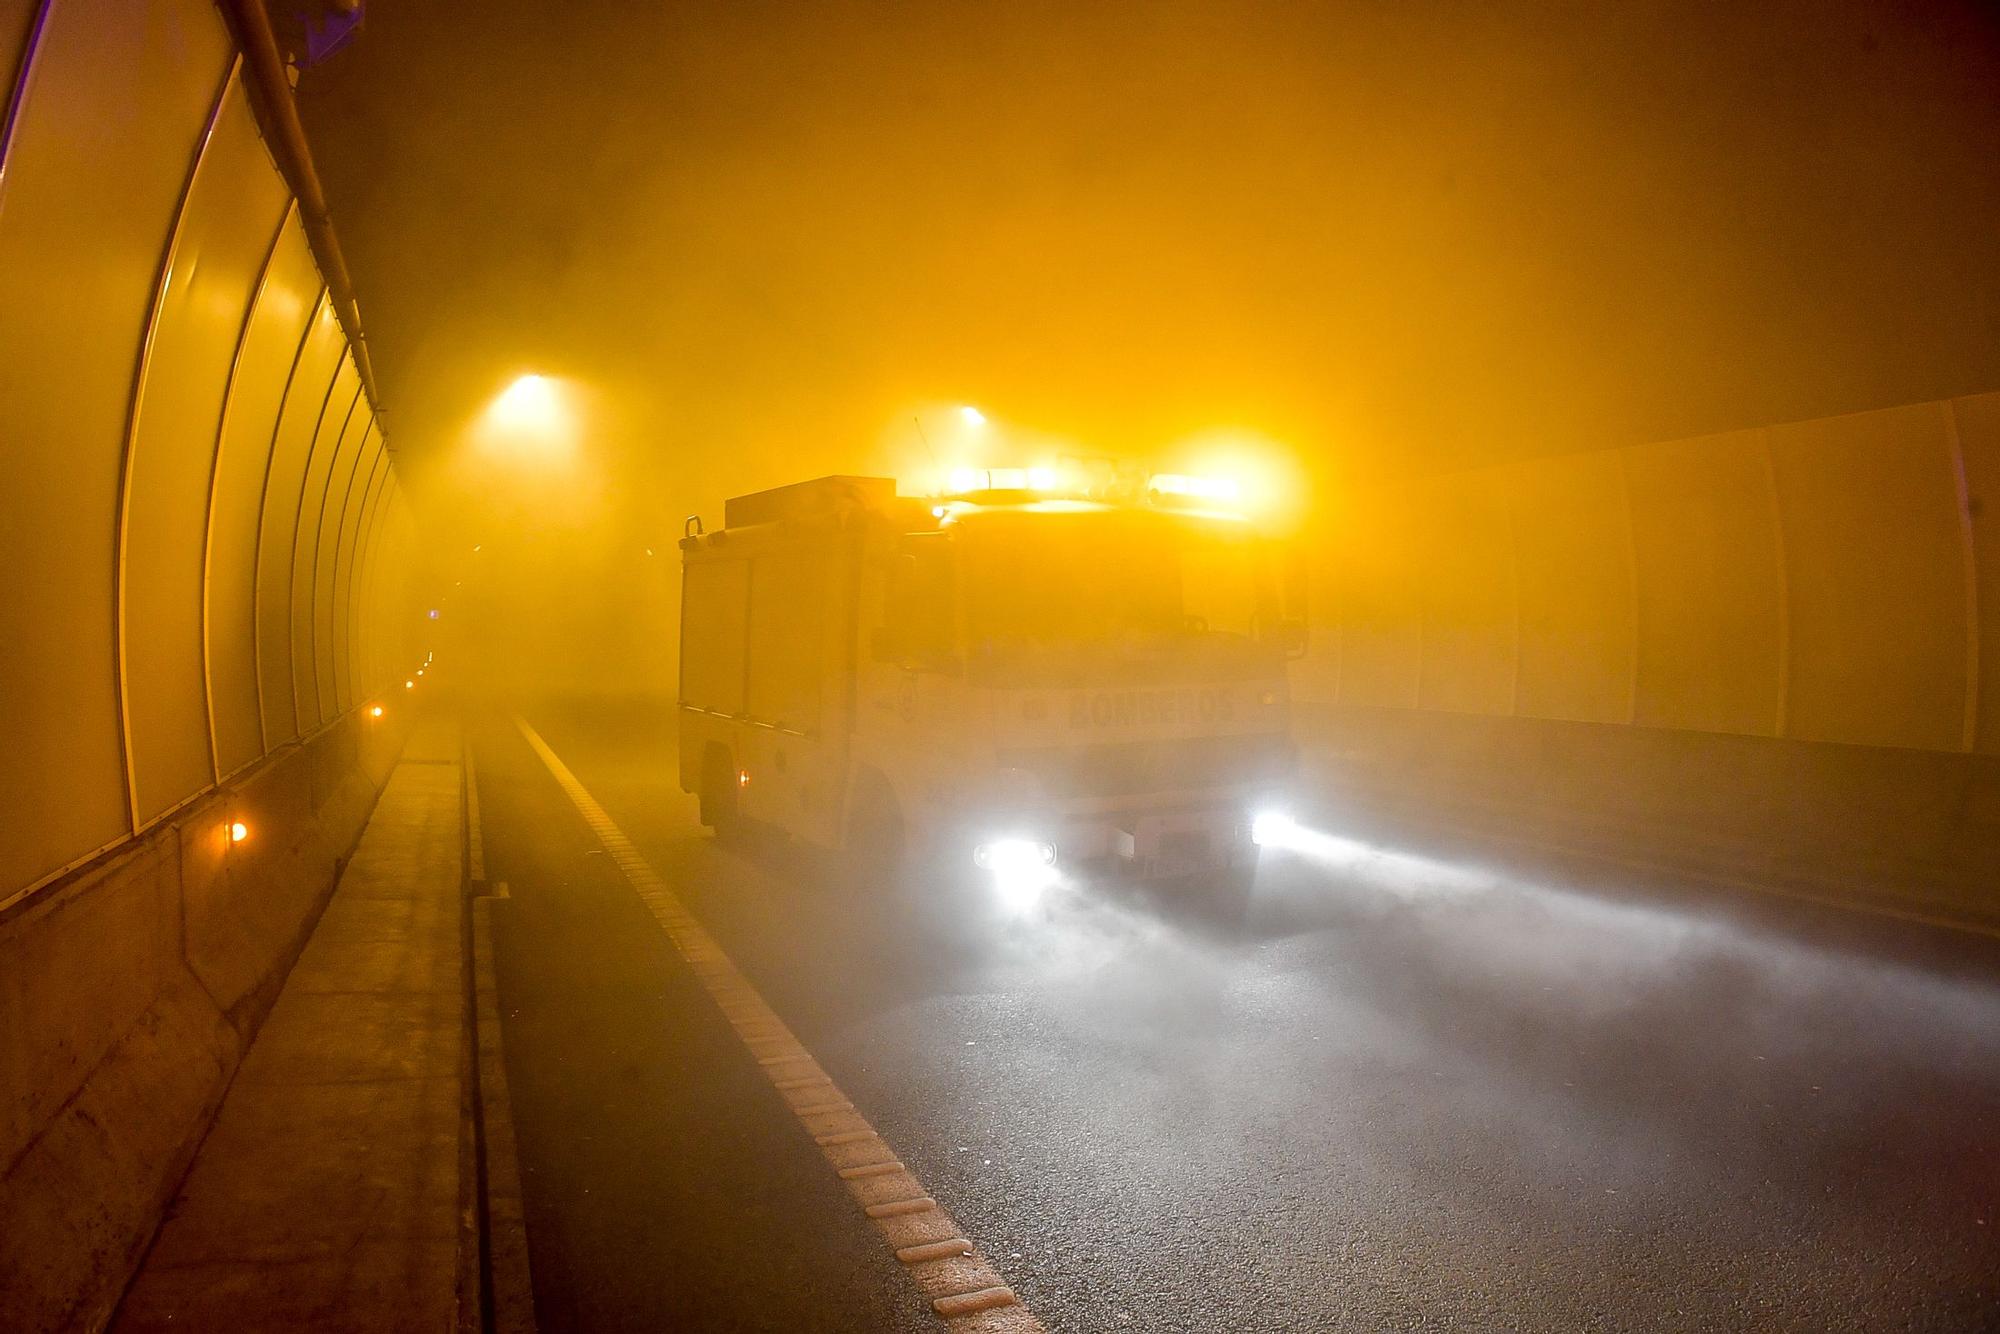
(1130, 768)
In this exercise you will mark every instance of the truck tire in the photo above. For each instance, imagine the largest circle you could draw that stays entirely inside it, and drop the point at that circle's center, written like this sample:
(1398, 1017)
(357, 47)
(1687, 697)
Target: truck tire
(718, 794)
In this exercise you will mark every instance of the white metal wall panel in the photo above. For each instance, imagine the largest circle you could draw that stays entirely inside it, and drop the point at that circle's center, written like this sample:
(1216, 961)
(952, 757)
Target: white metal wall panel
(311, 386)
(232, 210)
(339, 481)
(271, 339)
(373, 456)
(115, 103)
(341, 404)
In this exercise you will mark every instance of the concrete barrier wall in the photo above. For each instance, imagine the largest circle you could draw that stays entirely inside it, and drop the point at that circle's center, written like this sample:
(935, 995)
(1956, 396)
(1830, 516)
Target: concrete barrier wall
(1777, 651)
(1906, 829)
(129, 994)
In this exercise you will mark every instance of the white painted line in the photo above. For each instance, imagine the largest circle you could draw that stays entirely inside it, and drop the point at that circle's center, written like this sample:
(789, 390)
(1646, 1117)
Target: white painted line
(964, 1289)
(475, 842)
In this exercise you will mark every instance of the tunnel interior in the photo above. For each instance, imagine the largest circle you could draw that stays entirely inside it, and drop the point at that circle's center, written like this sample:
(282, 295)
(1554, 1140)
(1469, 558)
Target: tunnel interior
(1635, 437)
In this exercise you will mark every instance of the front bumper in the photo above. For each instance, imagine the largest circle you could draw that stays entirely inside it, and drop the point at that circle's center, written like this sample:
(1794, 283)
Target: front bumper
(1159, 842)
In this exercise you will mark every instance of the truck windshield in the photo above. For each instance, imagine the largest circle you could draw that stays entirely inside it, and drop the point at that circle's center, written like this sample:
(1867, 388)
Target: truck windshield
(1062, 585)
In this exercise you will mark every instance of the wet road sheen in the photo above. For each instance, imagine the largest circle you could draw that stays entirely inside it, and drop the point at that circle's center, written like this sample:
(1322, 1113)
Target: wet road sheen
(1419, 1090)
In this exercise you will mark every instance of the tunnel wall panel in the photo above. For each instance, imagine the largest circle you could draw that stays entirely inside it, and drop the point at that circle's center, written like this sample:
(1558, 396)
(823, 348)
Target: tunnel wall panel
(1831, 581)
(1709, 583)
(270, 341)
(366, 682)
(373, 460)
(341, 405)
(307, 394)
(1465, 554)
(339, 481)
(326, 632)
(1875, 573)
(1573, 567)
(233, 207)
(115, 103)
(1380, 634)
(1977, 423)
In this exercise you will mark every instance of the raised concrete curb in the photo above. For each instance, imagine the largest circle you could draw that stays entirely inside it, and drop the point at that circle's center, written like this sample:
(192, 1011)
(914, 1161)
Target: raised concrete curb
(509, 1282)
(505, 1278)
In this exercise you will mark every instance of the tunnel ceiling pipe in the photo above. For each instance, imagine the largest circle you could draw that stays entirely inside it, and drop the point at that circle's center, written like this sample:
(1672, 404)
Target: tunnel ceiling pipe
(271, 97)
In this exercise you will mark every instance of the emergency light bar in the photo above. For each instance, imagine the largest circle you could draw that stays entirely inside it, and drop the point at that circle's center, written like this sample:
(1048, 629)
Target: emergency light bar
(1127, 488)
(1181, 485)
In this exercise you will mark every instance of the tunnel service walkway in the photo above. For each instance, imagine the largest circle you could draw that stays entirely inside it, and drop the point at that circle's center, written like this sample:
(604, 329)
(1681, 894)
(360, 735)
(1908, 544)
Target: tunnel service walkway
(327, 1196)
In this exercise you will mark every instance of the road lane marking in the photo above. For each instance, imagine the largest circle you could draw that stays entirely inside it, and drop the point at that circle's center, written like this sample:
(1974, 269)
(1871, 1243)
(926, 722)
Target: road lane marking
(475, 841)
(964, 1289)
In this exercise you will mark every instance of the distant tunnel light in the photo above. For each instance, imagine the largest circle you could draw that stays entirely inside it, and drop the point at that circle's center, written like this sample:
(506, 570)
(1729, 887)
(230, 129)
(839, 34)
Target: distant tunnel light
(375, 712)
(743, 778)
(971, 416)
(409, 685)
(238, 831)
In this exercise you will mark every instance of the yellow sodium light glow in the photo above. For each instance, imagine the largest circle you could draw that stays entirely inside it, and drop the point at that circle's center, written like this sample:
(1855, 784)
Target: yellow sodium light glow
(375, 712)
(529, 404)
(409, 685)
(238, 831)
(971, 416)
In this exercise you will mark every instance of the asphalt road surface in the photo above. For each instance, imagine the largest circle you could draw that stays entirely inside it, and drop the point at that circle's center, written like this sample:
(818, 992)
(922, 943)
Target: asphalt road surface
(1424, 1089)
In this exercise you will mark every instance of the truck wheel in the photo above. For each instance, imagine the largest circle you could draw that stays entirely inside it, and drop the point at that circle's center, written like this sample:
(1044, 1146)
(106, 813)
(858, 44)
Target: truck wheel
(718, 795)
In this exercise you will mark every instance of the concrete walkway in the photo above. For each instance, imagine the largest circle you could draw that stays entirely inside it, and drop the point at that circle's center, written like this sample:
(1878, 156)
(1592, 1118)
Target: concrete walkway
(327, 1195)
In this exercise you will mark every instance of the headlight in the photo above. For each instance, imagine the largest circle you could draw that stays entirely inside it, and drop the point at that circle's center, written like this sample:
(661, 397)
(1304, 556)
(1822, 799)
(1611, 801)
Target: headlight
(1272, 828)
(1014, 855)
(1022, 869)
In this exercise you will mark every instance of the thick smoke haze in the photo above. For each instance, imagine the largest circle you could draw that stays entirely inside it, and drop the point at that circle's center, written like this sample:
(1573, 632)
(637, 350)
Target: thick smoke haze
(759, 238)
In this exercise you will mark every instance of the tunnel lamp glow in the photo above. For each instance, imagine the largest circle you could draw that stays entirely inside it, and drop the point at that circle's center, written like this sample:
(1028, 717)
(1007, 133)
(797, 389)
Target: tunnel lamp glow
(409, 685)
(375, 712)
(971, 416)
(238, 831)
(529, 404)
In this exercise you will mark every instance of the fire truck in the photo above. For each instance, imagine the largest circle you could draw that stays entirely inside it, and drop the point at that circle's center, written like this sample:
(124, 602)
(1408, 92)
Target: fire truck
(1030, 682)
